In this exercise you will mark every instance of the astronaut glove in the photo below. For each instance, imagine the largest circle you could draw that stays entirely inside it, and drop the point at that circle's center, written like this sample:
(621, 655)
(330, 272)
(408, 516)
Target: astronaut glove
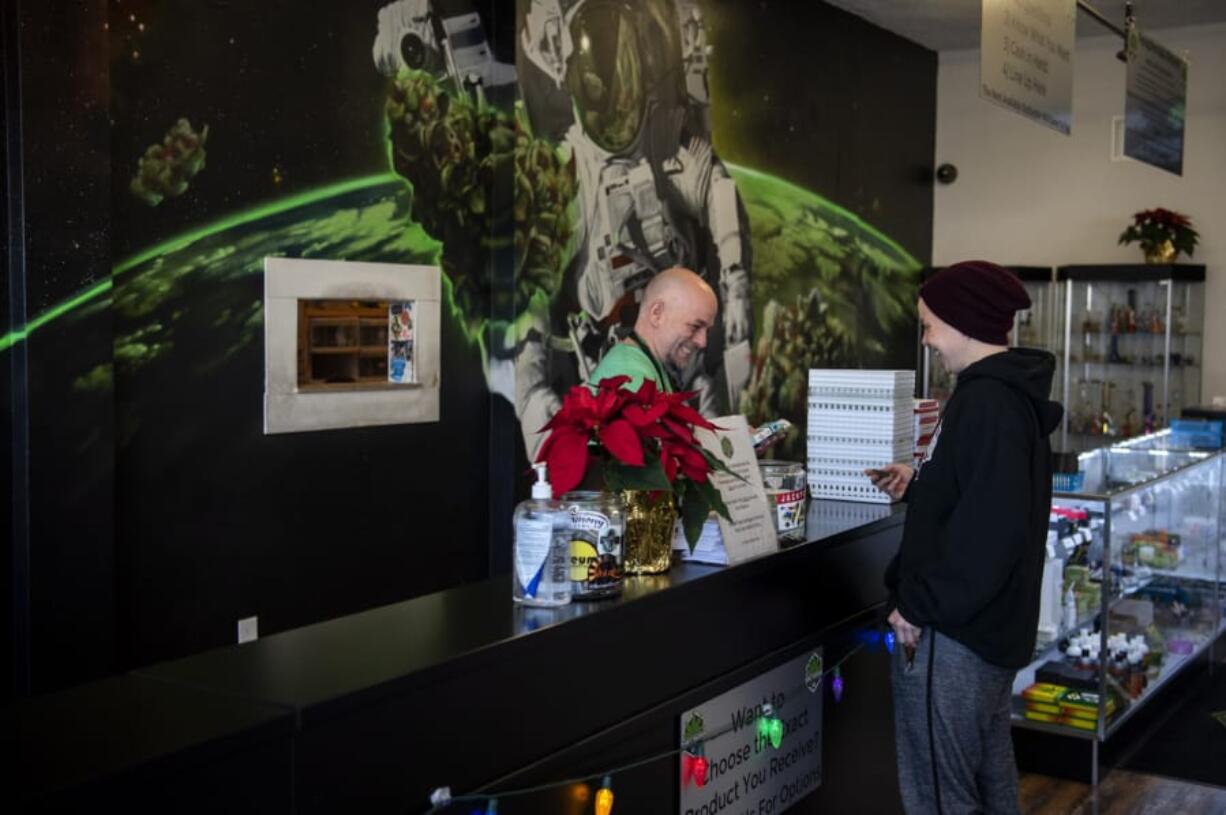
(734, 291)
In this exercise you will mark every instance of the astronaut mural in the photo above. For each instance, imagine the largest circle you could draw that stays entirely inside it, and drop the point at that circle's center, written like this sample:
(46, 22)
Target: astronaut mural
(615, 179)
(561, 185)
(622, 87)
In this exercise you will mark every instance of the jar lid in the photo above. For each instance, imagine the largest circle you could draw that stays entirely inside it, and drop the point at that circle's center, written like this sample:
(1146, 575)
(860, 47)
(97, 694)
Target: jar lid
(582, 495)
(776, 464)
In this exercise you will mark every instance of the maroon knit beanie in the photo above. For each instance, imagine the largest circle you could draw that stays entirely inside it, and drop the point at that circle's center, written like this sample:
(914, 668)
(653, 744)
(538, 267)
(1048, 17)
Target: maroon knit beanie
(976, 297)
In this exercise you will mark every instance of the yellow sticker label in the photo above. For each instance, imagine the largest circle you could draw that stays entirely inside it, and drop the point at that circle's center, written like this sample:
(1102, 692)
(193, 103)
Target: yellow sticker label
(582, 555)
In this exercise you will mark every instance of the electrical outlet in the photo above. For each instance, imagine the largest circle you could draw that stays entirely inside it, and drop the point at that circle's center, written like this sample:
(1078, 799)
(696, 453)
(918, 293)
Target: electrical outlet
(248, 629)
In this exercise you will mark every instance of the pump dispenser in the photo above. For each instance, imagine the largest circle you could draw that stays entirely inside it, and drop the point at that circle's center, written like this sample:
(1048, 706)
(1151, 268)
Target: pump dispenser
(541, 549)
(542, 489)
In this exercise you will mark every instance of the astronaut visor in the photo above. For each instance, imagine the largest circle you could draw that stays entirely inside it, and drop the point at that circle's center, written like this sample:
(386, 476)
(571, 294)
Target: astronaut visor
(605, 74)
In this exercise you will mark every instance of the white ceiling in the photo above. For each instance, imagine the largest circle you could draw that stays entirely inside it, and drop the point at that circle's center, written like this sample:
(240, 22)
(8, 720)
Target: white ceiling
(947, 25)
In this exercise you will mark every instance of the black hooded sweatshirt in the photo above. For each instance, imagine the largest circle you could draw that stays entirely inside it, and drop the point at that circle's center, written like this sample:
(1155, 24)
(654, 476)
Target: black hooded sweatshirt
(971, 559)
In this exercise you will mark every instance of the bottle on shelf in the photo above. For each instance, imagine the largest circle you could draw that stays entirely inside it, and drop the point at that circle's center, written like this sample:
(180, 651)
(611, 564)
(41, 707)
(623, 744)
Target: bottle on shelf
(1070, 609)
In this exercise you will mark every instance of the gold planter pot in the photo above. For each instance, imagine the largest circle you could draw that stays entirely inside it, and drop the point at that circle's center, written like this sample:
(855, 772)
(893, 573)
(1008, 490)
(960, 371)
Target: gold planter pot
(1164, 252)
(651, 518)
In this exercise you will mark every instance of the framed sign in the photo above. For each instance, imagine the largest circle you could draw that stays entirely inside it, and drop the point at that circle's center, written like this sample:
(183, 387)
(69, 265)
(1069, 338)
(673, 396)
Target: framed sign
(1155, 106)
(747, 773)
(1026, 58)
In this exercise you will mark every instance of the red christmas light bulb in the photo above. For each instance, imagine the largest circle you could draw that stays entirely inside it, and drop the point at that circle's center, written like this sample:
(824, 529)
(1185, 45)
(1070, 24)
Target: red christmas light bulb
(699, 771)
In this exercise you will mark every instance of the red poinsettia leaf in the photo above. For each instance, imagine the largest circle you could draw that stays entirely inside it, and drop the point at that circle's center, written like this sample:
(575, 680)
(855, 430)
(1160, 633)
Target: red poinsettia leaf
(695, 474)
(620, 439)
(647, 392)
(608, 403)
(679, 430)
(687, 414)
(542, 454)
(612, 383)
(692, 463)
(670, 465)
(653, 430)
(640, 415)
(566, 414)
(567, 460)
(582, 404)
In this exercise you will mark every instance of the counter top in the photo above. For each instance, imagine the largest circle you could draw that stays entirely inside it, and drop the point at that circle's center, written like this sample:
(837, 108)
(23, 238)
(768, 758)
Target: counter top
(701, 620)
(394, 647)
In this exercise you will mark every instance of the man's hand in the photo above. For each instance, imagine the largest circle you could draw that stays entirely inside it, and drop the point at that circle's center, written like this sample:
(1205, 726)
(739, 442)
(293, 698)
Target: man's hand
(892, 478)
(904, 633)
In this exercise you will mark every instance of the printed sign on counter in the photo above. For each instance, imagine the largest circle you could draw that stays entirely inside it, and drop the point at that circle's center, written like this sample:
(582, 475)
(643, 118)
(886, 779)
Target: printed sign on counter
(745, 773)
(751, 532)
(1026, 58)
(1155, 106)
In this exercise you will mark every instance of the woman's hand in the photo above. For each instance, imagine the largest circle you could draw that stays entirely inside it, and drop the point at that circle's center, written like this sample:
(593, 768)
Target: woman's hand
(904, 633)
(892, 478)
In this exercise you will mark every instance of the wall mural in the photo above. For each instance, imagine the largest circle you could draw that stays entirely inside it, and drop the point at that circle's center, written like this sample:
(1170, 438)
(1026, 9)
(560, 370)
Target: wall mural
(549, 160)
(615, 178)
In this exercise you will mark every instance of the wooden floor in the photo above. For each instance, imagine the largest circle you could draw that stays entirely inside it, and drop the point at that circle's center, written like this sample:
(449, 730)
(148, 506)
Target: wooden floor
(1119, 793)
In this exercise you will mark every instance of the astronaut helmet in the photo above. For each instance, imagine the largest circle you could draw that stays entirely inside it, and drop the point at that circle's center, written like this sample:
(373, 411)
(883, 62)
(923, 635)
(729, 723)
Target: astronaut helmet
(613, 59)
(605, 74)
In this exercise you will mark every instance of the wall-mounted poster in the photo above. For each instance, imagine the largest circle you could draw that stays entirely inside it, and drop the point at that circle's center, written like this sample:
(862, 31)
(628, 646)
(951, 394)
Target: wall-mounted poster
(1155, 106)
(344, 339)
(400, 343)
(1026, 58)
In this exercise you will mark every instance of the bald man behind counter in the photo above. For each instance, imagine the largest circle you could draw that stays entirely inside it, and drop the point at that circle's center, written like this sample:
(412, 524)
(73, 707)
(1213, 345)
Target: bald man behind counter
(677, 311)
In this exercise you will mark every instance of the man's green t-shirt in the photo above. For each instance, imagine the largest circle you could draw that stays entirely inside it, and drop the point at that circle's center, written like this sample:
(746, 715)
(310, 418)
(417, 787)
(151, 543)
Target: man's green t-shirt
(628, 359)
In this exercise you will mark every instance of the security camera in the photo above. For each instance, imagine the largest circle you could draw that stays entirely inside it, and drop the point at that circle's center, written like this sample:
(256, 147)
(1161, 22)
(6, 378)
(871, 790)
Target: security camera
(947, 173)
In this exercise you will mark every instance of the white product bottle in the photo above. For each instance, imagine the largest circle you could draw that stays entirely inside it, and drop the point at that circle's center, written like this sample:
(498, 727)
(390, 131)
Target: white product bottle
(1070, 610)
(541, 550)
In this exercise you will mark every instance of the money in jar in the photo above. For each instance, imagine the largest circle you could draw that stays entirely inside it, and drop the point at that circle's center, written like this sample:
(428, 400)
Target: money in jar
(598, 522)
(785, 489)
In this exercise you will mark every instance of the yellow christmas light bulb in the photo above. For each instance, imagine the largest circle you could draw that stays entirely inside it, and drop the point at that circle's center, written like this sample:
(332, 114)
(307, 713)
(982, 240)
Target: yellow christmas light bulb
(604, 798)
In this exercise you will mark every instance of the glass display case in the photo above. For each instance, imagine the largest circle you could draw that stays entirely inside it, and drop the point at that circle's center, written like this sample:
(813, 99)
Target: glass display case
(1131, 587)
(1132, 349)
(1165, 439)
(1039, 326)
(1158, 440)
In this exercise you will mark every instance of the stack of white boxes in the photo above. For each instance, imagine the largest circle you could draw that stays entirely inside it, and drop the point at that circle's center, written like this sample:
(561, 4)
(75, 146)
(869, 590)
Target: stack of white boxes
(927, 414)
(857, 420)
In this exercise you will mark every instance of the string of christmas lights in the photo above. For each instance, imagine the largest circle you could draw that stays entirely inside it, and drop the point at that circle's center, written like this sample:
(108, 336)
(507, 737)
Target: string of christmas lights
(694, 762)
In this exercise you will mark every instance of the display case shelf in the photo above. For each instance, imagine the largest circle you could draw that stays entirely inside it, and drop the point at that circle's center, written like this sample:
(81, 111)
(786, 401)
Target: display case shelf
(1144, 576)
(1135, 310)
(1074, 309)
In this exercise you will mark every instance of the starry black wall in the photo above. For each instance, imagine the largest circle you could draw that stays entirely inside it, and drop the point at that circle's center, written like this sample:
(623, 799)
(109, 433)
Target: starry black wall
(147, 542)
(61, 539)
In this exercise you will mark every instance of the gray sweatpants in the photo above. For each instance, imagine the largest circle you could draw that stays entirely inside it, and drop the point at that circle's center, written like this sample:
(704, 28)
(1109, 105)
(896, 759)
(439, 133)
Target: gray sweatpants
(951, 724)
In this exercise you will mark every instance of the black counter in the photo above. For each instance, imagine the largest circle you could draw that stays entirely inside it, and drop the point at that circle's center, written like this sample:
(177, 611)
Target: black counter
(370, 712)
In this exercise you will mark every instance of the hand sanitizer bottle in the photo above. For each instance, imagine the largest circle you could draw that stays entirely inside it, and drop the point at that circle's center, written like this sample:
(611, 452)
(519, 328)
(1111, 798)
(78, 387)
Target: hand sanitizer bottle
(541, 550)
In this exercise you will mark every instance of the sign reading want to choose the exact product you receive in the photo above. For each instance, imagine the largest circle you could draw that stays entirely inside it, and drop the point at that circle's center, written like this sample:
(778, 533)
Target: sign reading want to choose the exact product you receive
(746, 773)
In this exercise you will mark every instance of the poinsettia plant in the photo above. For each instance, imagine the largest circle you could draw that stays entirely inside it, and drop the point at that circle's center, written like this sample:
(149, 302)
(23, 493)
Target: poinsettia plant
(643, 440)
(1151, 227)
